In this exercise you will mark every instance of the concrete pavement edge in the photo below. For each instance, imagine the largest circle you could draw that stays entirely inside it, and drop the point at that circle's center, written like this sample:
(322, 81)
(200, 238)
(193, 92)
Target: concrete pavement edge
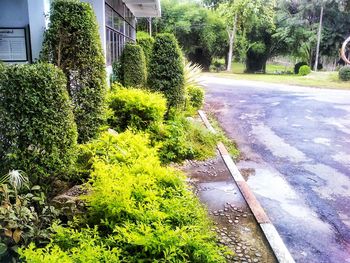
(271, 234)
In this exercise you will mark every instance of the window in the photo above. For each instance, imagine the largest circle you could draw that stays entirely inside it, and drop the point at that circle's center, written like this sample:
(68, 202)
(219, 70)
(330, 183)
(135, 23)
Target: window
(120, 28)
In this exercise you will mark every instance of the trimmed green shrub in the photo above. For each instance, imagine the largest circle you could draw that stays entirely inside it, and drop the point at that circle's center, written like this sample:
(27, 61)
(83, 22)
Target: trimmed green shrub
(135, 108)
(72, 42)
(304, 70)
(138, 211)
(133, 66)
(344, 73)
(146, 42)
(194, 97)
(37, 129)
(297, 67)
(166, 69)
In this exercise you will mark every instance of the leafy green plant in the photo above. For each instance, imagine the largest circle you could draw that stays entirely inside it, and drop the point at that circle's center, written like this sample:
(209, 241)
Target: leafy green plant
(180, 139)
(297, 66)
(344, 73)
(304, 70)
(38, 133)
(133, 66)
(166, 70)
(24, 217)
(72, 43)
(135, 108)
(146, 42)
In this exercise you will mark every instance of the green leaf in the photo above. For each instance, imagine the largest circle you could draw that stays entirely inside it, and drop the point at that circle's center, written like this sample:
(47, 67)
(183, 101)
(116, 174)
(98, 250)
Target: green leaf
(3, 248)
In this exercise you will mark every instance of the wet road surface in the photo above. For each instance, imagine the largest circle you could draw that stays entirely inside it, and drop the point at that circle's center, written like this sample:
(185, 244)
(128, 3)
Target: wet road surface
(295, 144)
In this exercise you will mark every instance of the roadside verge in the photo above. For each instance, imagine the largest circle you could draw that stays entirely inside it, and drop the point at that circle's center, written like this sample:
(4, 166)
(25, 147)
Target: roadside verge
(272, 236)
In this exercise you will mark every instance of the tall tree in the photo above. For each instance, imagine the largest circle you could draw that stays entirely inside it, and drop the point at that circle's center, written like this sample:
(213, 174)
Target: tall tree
(241, 18)
(298, 28)
(199, 30)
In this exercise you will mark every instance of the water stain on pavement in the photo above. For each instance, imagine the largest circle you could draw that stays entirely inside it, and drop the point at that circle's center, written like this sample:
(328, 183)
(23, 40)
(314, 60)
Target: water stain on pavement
(234, 222)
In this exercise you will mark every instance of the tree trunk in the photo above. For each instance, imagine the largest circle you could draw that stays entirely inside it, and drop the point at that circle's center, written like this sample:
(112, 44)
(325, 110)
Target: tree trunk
(318, 39)
(231, 34)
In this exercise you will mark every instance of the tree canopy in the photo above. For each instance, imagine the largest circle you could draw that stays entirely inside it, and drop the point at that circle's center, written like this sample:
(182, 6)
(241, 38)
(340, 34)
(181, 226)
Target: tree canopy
(253, 31)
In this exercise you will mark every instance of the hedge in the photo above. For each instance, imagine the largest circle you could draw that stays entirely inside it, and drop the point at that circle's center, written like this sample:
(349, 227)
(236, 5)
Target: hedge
(133, 66)
(37, 129)
(344, 73)
(72, 42)
(166, 69)
(135, 108)
(146, 42)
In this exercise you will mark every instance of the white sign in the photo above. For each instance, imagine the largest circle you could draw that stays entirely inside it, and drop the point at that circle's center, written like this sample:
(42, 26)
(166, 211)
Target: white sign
(13, 44)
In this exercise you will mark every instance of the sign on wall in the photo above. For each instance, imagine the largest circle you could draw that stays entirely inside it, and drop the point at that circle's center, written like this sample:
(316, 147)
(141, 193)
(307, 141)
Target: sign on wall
(13, 44)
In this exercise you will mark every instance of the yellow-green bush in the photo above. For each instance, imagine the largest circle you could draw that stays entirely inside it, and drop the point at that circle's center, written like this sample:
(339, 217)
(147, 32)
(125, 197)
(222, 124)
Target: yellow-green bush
(135, 108)
(304, 70)
(140, 211)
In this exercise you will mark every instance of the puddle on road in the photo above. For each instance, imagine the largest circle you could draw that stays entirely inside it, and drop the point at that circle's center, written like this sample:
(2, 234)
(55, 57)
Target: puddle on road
(234, 223)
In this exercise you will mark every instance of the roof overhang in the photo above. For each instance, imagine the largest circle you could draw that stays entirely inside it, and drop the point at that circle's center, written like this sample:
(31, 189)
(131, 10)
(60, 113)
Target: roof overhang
(144, 8)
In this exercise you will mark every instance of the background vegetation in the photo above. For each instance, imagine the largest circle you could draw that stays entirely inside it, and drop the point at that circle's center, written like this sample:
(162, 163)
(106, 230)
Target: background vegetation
(73, 24)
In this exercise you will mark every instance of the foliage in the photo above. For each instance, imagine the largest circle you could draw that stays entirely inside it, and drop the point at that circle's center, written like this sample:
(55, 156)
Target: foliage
(200, 31)
(181, 139)
(192, 74)
(37, 129)
(194, 97)
(84, 246)
(298, 65)
(217, 65)
(253, 22)
(166, 70)
(133, 66)
(139, 211)
(344, 73)
(297, 24)
(304, 70)
(24, 217)
(194, 94)
(116, 72)
(72, 42)
(135, 108)
(146, 42)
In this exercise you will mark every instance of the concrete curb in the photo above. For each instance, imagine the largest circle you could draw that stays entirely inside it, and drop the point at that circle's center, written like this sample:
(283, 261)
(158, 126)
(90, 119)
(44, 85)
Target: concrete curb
(279, 248)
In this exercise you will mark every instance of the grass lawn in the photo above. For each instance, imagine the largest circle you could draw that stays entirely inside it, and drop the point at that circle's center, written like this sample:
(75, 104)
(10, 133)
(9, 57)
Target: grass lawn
(315, 79)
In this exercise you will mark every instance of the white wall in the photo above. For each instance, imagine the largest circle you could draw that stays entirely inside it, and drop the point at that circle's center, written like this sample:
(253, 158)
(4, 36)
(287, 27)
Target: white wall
(13, 13)
(38, 11)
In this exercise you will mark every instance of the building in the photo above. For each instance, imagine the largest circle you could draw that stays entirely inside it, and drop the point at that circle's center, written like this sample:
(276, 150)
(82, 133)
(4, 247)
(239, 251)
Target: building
(23, 22)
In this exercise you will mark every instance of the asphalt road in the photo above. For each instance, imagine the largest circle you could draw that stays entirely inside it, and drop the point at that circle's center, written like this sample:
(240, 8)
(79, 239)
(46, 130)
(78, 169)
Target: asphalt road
(295, 143)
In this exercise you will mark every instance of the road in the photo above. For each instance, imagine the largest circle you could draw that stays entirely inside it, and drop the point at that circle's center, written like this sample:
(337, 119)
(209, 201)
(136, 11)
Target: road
(295, 144)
